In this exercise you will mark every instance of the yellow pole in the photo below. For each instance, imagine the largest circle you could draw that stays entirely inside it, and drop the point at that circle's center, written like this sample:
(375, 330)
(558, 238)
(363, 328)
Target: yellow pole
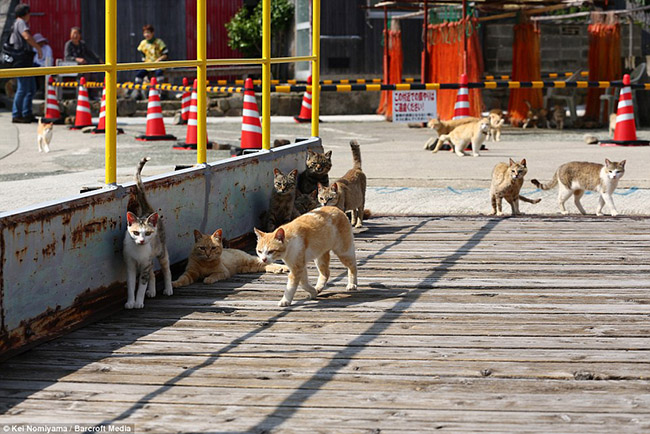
(315, 67)
(202, 78)
(111, 85)
(266, 74)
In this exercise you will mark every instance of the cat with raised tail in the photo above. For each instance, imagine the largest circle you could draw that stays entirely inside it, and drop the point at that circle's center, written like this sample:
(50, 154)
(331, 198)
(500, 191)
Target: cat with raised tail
(44, 135)
(144, 240)
(310, 237)
(348, 193)
(576, 177)
(211, 262)
(507, 180)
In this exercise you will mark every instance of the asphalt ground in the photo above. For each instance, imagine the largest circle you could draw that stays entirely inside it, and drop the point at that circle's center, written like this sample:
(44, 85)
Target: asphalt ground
(402, 177)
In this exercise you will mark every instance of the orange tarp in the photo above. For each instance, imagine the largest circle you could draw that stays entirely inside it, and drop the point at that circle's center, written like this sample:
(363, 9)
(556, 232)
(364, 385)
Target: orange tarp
(395, 61)
(445, 45)
(526, 66)
(604, 60)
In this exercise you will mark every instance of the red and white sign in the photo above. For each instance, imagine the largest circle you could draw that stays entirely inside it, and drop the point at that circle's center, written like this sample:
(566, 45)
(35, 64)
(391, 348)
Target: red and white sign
(414, 105)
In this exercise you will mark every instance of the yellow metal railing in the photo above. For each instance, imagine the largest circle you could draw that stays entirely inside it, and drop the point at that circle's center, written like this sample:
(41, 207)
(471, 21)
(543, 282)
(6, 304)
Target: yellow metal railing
(111, 68)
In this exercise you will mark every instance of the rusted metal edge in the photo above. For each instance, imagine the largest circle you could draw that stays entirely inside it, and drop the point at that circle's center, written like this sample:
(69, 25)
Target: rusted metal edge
(3, 324)
(88, 307)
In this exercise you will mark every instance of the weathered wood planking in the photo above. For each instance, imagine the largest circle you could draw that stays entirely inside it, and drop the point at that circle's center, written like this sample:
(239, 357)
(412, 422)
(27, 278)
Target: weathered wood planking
(461, 324)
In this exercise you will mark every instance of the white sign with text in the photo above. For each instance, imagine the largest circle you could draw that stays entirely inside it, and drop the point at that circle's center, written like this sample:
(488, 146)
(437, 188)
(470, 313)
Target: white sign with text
(414, 105)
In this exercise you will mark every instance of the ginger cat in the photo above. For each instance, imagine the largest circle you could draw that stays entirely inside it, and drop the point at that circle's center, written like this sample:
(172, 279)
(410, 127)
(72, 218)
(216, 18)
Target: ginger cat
(310, 237)
(444, 127)
(496, 122)
(348, 193)
(507, 180)
(44, 136)
(211, 262)
(475, 132)
(577, 176)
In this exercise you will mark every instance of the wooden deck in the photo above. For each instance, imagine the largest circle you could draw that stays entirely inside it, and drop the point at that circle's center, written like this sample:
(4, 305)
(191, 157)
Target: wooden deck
(466, 324)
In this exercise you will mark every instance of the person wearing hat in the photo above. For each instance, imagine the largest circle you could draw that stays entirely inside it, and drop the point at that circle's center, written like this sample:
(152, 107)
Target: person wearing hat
(45, 48)
(21, 38)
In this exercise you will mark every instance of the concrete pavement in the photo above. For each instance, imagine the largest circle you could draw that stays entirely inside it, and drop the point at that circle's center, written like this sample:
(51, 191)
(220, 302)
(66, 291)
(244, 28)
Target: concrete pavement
(402, 177)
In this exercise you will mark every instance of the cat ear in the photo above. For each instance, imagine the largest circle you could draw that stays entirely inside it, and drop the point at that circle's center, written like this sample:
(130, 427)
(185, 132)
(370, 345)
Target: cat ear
(293, 173)
(335, 187)
(328, 154)
(320, 186)
(607, 162)
(523, 162)
(310, 153)
(279, 235)
(217, 234)
(258, 232)
(153, 219)
(197, 235)
(314, 194)
(511, 162)
(277, 172)
(130, 218)
(622, 163)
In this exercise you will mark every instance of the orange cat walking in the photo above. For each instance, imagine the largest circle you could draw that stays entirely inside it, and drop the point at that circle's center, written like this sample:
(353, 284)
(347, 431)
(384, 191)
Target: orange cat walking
(310, 237)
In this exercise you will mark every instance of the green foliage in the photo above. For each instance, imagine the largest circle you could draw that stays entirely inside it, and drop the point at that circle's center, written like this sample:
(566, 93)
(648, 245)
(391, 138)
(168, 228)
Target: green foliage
(245, 28)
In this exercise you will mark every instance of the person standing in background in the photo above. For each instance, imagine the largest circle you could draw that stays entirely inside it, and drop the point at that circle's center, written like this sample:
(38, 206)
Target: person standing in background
(21, 38)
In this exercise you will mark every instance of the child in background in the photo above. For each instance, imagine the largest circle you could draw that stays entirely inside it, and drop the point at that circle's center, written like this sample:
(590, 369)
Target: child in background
(153, 50)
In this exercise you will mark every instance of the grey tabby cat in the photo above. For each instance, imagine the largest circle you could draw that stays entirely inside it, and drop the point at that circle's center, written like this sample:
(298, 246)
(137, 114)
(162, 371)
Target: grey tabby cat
(306, 202)
(348, 193)
(144, 240)
(318, 167)
(281, 208)
(577, 176)
(507, 180)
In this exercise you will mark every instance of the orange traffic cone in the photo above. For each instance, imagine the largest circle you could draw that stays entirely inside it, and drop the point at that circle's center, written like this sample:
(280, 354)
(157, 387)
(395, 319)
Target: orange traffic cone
(52, 112)
(305, 108)
(625, 130)
(155, 124)
(101, 127)
(83, 118)
(461, 108)
(251, 128)
(185, 103)
(190, 138)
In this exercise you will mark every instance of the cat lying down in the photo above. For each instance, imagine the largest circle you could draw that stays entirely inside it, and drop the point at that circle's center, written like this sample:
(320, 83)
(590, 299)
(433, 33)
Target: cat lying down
(211, 262)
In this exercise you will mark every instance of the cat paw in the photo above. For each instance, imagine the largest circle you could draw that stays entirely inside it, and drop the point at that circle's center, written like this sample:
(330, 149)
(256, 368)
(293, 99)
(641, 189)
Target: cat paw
(138, 305)
(168, 291)
(564, 212)
(213, 279)
(599, 213)
(500, 214)
(358, 225)
(176, 284)
(151, 293)
(284, 302)
(129, 305)
(614, 213)
(351, 287)
(475, 155)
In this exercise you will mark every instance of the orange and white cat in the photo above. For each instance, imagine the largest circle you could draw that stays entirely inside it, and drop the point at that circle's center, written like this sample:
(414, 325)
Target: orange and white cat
(310, 237)
(44, 136)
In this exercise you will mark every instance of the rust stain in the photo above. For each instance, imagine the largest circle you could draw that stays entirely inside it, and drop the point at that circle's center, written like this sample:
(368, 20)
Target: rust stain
(83, 231)
(89, 306)
(49, 249)
(20, 254)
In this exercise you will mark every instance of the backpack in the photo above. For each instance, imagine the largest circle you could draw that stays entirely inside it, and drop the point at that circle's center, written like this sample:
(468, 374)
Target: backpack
(10, 57)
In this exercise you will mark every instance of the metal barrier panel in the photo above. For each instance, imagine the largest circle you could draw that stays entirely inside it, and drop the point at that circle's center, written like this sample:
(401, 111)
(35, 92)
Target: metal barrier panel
(61, 262)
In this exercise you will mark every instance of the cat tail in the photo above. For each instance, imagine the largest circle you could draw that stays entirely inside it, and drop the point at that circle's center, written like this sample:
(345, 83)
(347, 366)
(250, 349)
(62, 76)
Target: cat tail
(139, 189)
(525, 199)
(366, 214)
(548, 186)
(356, 153)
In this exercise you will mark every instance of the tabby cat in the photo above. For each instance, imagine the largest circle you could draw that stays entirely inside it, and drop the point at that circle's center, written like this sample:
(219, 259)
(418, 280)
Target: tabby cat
(348, 193)
(306, 202)
(281, 207)
(318, 167)
(577, 176)
(211, 262)
(310, 237)
(144, 240)
(507, 180)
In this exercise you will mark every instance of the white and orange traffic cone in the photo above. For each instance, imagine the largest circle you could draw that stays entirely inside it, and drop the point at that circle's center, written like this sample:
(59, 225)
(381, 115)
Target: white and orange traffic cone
(305, 108)
(461, 108)
(186, 99)
(52, 111)
(625, 130)
(155, 125)
(191, 139)
(83, 117)
(251, 128)
(101, 126)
